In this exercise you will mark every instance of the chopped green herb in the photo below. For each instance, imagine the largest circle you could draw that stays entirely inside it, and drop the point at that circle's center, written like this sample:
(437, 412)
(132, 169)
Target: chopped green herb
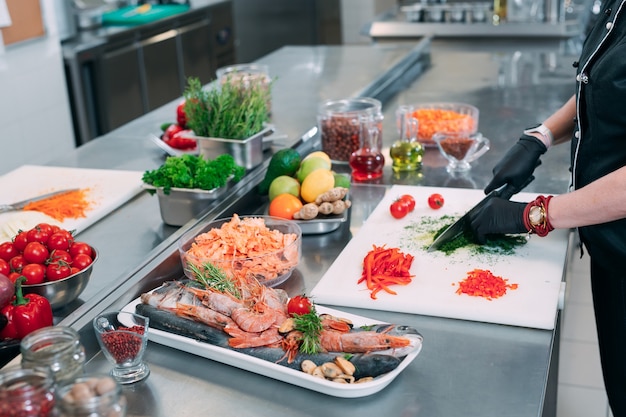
(310, 325)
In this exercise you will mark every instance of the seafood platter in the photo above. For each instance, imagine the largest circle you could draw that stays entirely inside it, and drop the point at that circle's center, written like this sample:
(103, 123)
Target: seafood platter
(210, 323)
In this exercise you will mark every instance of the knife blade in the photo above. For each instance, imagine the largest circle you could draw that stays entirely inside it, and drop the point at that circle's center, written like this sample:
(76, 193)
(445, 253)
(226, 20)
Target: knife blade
(21, 204)
(457, 228)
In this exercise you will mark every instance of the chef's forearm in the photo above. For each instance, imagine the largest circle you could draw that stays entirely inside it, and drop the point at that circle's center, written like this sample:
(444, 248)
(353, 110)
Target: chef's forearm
(602, 201)
(561, 123)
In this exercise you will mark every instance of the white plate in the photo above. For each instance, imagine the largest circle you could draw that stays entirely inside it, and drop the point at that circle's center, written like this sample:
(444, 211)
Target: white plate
(283, 373)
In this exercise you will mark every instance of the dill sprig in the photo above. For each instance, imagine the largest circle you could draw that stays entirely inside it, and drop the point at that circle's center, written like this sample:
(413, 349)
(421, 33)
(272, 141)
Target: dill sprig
(310, 325)
(214, 277)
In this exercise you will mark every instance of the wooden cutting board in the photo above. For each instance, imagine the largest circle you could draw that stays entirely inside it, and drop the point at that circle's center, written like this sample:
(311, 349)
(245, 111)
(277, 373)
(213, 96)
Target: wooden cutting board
(107, 190)
(537, 267)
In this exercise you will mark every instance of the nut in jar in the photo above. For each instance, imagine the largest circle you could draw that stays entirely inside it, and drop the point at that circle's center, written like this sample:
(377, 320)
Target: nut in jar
(340, 125)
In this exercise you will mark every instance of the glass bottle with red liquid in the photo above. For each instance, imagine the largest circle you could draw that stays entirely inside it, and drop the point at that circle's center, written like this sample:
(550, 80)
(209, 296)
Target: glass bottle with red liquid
(367, 162)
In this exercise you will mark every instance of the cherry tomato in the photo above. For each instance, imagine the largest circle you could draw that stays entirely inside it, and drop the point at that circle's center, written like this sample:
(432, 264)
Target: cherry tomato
(300, 305)
(37, 235)
(58, 240)
(34, 273)
(7, 251)
(181, 116)
(170, 132)
(35, 253)
(5, 269)
(17, 263)
(435, 201)
(82, 261)
(58, 270)
(59, 255)
(399, 209)
(20, 241)
(80, 247)
(45, 227)
(13, 276)
(409, 200)
(180, 141)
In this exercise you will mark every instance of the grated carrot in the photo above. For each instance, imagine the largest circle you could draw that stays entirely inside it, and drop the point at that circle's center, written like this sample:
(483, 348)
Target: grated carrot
(483, 283)
(70, 205)
(433, 121)
(246, 248)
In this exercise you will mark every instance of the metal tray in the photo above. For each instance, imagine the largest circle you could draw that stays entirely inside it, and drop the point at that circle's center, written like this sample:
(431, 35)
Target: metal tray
(267, 144)
(323, 224)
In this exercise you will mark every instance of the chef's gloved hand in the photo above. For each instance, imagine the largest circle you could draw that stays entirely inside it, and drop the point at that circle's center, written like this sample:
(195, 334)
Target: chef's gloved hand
(518, 163)
(498, 216)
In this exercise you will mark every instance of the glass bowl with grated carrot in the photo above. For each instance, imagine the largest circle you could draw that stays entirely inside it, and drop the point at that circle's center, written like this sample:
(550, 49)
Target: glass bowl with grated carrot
(262, 248)
(433, 118)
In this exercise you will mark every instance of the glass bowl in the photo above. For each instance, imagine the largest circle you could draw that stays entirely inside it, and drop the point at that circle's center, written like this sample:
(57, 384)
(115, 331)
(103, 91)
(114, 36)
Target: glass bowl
(226, 243)
(63, 291)
(461, 149)
(435, 118)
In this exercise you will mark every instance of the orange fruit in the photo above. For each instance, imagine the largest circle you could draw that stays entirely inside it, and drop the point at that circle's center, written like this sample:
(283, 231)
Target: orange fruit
(284, 206)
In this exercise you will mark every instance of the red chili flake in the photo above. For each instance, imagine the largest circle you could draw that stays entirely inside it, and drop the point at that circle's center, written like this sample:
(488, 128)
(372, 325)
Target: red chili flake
(123, 344)
(483, 283)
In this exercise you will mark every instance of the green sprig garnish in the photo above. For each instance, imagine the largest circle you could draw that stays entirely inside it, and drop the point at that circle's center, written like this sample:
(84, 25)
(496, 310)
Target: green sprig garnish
(214, 277)
(310, 325)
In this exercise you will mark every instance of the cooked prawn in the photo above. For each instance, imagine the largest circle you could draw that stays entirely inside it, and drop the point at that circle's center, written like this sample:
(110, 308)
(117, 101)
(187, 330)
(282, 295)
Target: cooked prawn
(241, 339)
(360, 342)
(255, 319)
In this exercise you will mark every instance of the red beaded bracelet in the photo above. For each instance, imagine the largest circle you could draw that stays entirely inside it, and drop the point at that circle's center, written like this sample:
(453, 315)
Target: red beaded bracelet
(541, 227)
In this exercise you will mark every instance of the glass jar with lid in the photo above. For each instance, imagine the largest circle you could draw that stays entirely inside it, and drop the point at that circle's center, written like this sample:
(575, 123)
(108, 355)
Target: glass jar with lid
(248, 76)
(339, 123)
(26, 392)
(57, 348)
(91, 396)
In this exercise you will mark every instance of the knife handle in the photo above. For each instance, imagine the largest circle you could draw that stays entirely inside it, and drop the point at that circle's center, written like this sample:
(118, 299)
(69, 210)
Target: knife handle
(510, 190)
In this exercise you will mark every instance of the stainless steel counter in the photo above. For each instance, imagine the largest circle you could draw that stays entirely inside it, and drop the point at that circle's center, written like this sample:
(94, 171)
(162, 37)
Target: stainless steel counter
(466, 368)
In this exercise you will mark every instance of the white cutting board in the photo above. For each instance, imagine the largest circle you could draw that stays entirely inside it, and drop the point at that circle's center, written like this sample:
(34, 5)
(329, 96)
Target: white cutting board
(537, 267)
(107, 190)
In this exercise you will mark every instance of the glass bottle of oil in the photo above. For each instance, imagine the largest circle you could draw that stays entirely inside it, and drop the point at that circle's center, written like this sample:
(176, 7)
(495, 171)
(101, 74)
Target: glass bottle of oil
(499, 11)
(406, 152)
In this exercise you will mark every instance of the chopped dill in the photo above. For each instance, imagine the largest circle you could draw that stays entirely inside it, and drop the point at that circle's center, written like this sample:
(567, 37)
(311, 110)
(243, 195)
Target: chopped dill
(214, 277)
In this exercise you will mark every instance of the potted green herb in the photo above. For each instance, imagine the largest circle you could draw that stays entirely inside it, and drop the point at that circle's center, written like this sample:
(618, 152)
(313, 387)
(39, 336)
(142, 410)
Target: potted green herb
(226, 118)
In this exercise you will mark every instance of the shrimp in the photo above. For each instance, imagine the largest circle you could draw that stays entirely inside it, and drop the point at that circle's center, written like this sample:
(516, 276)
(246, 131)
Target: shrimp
(220, 302)
(360, 342)
(204, 315)
(241, 339)
(255, 319)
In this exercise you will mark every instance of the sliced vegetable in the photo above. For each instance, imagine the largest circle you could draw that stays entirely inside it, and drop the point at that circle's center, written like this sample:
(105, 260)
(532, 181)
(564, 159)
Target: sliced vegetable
(483, 283)
(70, 205)
(384, 267)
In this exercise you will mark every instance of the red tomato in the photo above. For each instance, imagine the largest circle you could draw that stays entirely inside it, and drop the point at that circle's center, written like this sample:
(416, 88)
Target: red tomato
(7, 251)
(17, 263)
(82, 261)
(20, 241)
(34, 273)
(80, 247)
(37, 235)
(35, 253)
(45, 227)
(56, 271)
(13, 276)
(59, 255)
(300, 305)
(181, 116)
(435, 201)
(5, 269)
(170, 132)
(179, 141)
(399, 209)
(58, 240)
(409, 200)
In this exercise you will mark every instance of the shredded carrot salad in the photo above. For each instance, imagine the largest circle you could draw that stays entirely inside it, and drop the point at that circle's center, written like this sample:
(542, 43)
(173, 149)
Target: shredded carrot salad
(433, 121)
(383, 267)
(483, 283)
(246, 248)
(70, 205)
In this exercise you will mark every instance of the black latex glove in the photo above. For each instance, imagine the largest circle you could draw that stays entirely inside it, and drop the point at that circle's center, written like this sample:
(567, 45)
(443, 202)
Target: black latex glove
(518, 164)
(497, 217)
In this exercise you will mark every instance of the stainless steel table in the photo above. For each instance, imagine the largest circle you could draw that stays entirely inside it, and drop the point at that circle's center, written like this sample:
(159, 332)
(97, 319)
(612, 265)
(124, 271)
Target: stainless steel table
(466, 368)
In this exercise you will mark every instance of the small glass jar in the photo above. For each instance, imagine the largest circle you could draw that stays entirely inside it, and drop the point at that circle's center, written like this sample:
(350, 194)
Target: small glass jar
(340, 125)
(91, 396)
(26, 392)
(55, 347)
(246, 76)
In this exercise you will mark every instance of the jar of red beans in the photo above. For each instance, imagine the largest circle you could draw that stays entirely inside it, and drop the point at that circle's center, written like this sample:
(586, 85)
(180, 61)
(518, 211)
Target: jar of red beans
(27, 392)
(340, 124)
(57, 348)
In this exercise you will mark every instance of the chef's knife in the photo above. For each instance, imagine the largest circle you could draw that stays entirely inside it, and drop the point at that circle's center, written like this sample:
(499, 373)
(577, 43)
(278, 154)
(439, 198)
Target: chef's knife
(458, 227)
(21, 204)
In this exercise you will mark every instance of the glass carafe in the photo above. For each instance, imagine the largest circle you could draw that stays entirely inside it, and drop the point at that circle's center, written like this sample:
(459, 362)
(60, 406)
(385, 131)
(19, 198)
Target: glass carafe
(367, 162)
(406, 152)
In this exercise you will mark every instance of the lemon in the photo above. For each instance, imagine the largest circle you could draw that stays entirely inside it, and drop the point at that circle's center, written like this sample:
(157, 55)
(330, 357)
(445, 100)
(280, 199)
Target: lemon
(316, 183)
(318, 154)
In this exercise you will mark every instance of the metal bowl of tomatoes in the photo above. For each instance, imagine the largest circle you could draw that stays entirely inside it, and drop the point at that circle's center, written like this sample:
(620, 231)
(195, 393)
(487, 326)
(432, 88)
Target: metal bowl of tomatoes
(63, 291)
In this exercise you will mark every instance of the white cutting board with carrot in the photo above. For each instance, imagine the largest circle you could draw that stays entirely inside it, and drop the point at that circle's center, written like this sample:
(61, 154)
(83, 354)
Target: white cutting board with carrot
(106, 190)
(537, 267)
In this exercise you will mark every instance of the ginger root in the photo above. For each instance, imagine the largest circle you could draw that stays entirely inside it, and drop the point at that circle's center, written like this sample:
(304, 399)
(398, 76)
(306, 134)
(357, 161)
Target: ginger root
(332, 195)
(339, 206)
(326, 207)
(307, 212)
(311, 210)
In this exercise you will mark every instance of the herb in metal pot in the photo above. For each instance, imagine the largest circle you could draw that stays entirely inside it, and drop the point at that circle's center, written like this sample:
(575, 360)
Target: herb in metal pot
(193, 171)
(226, 111)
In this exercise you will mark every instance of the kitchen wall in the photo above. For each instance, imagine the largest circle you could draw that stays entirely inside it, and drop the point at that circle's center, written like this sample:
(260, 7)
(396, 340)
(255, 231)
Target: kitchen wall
(35, 118)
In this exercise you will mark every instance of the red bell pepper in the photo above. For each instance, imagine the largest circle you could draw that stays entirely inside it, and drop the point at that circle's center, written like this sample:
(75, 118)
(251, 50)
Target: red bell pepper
(25, 314)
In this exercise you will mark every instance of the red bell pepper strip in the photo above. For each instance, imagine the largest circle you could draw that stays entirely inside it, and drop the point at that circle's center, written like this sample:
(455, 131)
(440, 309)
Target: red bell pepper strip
(25, 313)
(383, 267)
